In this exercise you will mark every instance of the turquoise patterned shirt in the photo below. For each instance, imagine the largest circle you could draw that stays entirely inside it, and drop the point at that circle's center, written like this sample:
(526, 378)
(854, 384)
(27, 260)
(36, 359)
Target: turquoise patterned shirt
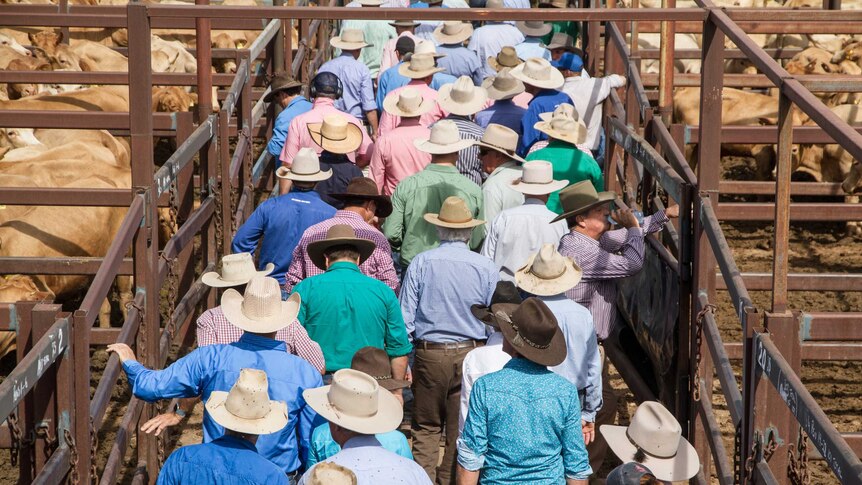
(524, 426)
(322, 445)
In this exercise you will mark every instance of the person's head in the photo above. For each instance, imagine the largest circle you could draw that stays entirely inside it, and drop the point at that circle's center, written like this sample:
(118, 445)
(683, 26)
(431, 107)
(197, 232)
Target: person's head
(548, 273)
(351, 42)
(506, 58)
(446, 234)
(444, 142)
(326, 85)
(403, 46)
(633, 473)
(362, 197)
(560, 44)
(304, 171)
(260, 309)
(341, 253)
(402, 26)
(462, 98)
(336, 134)
(538, 74)
(236, 270)
(327, 473)
(246, 410)
(530, 331)
(537, 180)
(407, 103)
(497, 146)
(569, 64)
(340, 245)
(455, 220)
(586, 210)
(453, 32)
(421, 67)
(593, 222)
(534, 28)
(283, 89)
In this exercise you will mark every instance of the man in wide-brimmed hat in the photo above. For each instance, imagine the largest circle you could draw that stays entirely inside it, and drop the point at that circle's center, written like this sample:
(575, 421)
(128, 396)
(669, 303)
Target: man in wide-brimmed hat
(543, 81)
(571, 28)
(357, 97)
(287, 93)
(509, 102)
(498, 445)
(391, 54)
(395, 156)
(559, 44)
(462, 100)
(534, 31)
(358, 407)
(506, 58)
(362, 203)
(459, 60)
(503, 166)
(420, 69)
(245, 412)
(377, 33)
(444, 333)
(490, 38)
(280, 221)
(261, 313)
(343, 310)
(339, 140)
(520, 231)
(407, 230)
(392, 78)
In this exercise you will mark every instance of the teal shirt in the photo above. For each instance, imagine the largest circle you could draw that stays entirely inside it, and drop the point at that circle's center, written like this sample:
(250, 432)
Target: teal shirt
(570, 164)
(343, 310)
(564, 26)
(323, 446)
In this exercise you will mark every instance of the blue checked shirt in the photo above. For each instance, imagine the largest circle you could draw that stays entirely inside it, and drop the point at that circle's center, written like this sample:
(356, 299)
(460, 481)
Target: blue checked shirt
(391, 79)
(460, 61)
(503, 112)
(532, 47)
(358, 95)
(224, 461)
(296, 107)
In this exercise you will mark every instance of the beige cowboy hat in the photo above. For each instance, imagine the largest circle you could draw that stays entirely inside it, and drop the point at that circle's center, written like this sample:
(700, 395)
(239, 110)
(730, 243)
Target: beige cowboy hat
(540, 73)
(335, 134)
(445, 138)
(503, 85)
(424, 46)
(407, 102)
(566, 129)
(280, 82)
(561, 40)
(349, 40)
(533, 331)
(246, 408)
(580, 197)
(654, 439)
(236, 269)
(507, 57)
(462, 97)
(419, 66)
(563, 110)
(305, 168)
(355, 401)
(453, 214)
(328, 473)
(548, 273)
(500, 139)
(339, 235)
(537, 178)
(453, 32)
(534, 28)
(260, 309)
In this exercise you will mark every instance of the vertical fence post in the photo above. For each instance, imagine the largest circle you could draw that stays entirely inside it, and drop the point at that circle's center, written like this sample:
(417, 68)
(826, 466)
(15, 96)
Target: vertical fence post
(666, 65)
(26, 419)
(750, 379)
(781, 237)
(278, 53)
(244, 121)
(44, 392)
(186, 195)
(81, 430)
(66, 388)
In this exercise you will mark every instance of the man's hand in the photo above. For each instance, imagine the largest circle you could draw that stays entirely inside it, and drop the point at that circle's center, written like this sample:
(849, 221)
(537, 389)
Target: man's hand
(161, 422)
(672, 212)
(625, 218)
(123, 351)
(399, 394)
(409, 375)
(589, 430)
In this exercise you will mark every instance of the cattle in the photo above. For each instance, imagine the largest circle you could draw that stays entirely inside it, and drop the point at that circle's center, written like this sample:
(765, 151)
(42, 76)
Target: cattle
(681, 41)
(102, 98)
(18, 288)
(7, 40)
(173, 99)
(95, 145)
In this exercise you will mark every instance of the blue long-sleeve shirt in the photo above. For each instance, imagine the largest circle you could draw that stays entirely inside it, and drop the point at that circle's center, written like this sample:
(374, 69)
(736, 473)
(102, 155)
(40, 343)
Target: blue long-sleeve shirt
(217, 367)
(224, 461)
(358, 92)
(544, 102)
(280, 221)
(391, 80)
(297, 106)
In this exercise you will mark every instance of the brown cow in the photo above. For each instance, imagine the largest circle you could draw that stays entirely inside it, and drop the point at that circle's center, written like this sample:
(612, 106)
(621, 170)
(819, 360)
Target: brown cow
(102, 98)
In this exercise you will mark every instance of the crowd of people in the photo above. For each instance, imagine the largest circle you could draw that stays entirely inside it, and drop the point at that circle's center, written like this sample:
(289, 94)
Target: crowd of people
(440, 241)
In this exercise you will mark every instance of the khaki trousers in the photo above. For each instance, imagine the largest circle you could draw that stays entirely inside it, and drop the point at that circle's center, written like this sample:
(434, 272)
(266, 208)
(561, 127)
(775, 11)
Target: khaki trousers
(436, 402)
(606, 415)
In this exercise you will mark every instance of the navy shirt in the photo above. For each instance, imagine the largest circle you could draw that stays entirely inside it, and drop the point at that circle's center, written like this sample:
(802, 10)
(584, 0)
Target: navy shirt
(544, 102)
(227, 460)
(343, 171)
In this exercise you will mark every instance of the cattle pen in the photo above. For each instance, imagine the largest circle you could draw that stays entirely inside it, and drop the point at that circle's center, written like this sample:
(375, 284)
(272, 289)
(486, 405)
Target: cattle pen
(210, 182)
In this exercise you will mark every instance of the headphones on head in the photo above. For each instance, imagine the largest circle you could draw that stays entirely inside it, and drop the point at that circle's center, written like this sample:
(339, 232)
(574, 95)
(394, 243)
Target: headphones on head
(339, 90)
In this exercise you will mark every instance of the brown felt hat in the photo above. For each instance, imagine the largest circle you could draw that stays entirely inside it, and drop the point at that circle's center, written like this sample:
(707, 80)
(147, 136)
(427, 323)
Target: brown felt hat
(375, 362)
(580, 197)
(507, 57)
(279, 83)
(339, 235)
(534, 332)
(364, 188)
(506, 298)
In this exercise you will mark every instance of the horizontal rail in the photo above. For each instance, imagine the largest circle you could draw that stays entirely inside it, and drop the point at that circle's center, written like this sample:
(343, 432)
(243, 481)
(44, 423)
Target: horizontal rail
(724, 257)
(799, 211)
(831, 326)
(61, 196)
(827, 83)
(765, 134)
(813, 351)
(59, 266)
(184, 154)
(119, 78)
(801, 281)
(768, 188)
(81, 120)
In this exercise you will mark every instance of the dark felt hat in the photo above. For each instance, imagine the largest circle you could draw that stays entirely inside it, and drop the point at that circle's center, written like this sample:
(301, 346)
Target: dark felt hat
(506, 297)
(533, 331)
(279, 83)
(375, 362)
(364, 188)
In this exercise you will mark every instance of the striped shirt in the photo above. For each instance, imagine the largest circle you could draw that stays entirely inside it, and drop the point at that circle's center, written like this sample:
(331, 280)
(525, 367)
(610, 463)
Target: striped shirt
(618, 254)
(213, 328)
(468, 159)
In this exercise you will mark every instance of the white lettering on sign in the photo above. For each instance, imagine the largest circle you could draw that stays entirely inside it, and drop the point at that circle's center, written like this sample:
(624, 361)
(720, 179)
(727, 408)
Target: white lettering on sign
(18, 388)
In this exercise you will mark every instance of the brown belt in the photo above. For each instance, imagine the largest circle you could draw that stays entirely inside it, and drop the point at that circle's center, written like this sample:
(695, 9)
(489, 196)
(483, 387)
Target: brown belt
(464, 344)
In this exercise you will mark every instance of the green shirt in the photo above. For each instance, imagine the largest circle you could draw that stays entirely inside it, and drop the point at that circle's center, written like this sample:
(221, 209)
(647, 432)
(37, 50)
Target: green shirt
(343, 310)
(564, 26)
(570, 164)
(424, 193)
(377, 33)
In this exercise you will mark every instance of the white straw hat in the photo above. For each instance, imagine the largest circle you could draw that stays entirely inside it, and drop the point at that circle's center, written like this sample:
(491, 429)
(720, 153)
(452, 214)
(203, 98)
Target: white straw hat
(305, 168)
(350, 39)
(503, 85)
(454, 214)
(260, 309)
(406, 102)
(236, 269)
(247, 407)
(540, 73)
(501, 139)
(424, 46)
(548, 273)
(444, 138)
(563, 110)
(537, 178)
(534, 28)
(462, 97)
(355, 401)
(565, 129)
(335, 134)
(453, 32)
(419, 66)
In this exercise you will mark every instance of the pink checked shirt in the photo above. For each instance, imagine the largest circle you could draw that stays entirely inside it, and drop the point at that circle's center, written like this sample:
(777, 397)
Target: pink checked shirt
(379, 265)
(390, 57)
(214, 328)
(396, 158)
(388, 121)
(298, 137)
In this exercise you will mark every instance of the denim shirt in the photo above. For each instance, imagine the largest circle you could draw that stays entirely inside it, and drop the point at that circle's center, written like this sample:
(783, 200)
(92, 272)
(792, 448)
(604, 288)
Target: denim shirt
(225, 461)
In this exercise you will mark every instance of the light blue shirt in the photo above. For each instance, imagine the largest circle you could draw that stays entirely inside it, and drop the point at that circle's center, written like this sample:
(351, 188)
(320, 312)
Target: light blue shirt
(373, 464)
(225, 461)
(391, 80)
(216, 368)
(488, 40)
(323, 446)
(460, 61)
(502, 112)
(358, 95)
(583, 365)
(296, 107)
(532, 47)
(524, 426)
(440, 286)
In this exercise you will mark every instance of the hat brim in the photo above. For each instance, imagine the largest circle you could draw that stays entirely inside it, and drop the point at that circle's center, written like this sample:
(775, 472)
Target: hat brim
(435, 219)
(402, 23)
(273, 422)
(512, 155)
(495, 65)
(349, 144)
(317, 249)
(553, 355)
(444, 99)
(518, 185)
(533, 32)
(574, 138)
(433, 148)
(388, 417)
(498, 95)
(231, 305)
(347, 46)
(683, 466)
(486, 315)
(604, 198)
(458, 38)
(556, 80)
(214, 279)
(390, 105)
(393, 384)
(404, 70)
(541, 287)
(267, 98)
(286, 173)
(384, 203)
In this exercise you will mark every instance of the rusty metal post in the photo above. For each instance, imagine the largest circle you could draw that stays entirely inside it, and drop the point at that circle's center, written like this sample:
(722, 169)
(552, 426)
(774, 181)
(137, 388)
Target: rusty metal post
(774, 415)
(278, 53)
(244, 121)
(666, 65)
(44, 392)
(203, 44)
(781, 237)
(66, 387)
(186, 194)
(309, 54)
(26, 414)
(744, 441)
(592, 41)
(81, 430)
(686, 298)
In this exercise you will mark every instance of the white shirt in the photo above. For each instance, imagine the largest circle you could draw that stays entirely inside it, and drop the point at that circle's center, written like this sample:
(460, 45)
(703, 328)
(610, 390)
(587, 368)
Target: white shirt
(496, 194)
(489, 39)
(373, 464)
(587, 96)
(519, 232)
(478, 362)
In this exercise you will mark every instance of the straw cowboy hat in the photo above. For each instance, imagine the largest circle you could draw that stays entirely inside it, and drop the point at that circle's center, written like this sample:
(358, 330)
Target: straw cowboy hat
(371, 3)
(246, 408)
(328, 473)
(537, 178)
(407, 103)
(563, 110)
(534, 28)
(569, 130)
(364, 188)
(580, 197)
(236, 269)
(507, 57)
(654, 439)
(548, 273)
(339, 235)
(349, 40)
(260, 309)
(280, 82)
(503, 85)
(453, 214)
(335, 134)
(305, 168)
(355, 401)
(500, 139)
(534, 332)
(445, 138)
(423, 46)
(462, 97)
(505, 297)
(375, 362)
(419, 66)
(453, 32)
(540, 73)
